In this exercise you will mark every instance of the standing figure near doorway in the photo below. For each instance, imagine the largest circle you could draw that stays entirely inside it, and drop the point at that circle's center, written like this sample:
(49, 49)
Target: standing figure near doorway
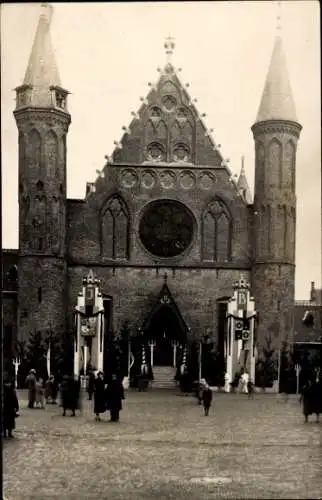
(114, 396)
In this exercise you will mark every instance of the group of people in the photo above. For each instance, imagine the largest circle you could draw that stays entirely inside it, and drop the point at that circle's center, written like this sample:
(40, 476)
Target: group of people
(108, 395)
(38, 392)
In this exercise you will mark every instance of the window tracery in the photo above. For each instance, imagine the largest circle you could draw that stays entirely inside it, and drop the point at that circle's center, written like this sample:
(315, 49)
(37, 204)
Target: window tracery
(216, 232)
(155, 152)
(115, 229)
(181, 152)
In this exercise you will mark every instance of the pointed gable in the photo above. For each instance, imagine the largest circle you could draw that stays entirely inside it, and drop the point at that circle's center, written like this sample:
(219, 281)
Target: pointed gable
(167, 129)
(165, 299)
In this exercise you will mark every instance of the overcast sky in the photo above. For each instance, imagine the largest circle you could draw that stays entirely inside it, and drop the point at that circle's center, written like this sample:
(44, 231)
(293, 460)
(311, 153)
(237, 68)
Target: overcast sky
(108, 52)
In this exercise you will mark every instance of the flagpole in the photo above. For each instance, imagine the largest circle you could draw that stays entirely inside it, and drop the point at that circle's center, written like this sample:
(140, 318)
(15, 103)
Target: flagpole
(48, 360)
(279, 369)
(200, 359)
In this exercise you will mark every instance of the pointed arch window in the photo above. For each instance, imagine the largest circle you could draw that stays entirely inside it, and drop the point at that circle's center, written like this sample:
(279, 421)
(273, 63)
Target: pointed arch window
(289, 164)
(51, 154)
(275, 163)
(34, 151)
(216, 232)
(115, 229)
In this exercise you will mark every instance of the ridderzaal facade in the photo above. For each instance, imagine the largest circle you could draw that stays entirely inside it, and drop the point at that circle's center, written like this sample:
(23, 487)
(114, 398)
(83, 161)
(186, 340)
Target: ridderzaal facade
(165, 219)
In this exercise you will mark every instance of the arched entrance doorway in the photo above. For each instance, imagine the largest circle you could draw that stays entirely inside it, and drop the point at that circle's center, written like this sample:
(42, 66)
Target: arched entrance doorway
(166, 331)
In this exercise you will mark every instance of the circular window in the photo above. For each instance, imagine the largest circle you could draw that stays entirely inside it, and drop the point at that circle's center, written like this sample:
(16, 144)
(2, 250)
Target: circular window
(166, 228)
(155, 112)
(155, 152)
(181, 152)
(169, 102)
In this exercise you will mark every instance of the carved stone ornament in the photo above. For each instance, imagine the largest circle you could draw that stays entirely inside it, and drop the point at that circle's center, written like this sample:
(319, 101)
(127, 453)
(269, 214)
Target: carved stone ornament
(169, 102)
(148, 180)
(165, 299)
(181, 114)
(206, 181)
(167, 179)
(155, 113)
(187, 180)
(181, 153)
(276, 127)
(128, 178)
(155, 152)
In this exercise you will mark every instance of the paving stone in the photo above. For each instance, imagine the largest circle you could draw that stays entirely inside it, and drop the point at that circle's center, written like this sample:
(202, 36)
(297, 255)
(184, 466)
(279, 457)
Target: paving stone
(164, 447)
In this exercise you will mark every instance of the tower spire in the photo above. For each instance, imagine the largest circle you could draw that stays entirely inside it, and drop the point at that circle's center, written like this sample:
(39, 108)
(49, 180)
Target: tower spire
(242, 184)
(42, 76)
(277, 99)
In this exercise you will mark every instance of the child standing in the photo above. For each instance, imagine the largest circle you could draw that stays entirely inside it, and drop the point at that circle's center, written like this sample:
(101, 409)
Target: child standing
(206, 397)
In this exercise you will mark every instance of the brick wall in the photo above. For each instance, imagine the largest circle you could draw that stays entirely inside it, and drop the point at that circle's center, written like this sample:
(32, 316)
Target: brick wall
(136, 290)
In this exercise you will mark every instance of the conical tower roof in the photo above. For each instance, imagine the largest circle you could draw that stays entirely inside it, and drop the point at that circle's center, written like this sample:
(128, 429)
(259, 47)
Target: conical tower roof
(277, 99)
(243, 186)
(42, 72)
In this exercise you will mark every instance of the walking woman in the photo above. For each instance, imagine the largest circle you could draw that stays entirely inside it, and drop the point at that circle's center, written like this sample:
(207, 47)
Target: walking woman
(10, 408)
(99, 396)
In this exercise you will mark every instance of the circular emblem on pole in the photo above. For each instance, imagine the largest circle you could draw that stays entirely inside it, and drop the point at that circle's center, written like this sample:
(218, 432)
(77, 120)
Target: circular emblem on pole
(245, 335)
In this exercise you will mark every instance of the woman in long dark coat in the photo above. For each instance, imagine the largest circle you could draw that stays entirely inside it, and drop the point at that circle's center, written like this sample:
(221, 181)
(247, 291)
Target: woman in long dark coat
(10, 408)
(312, 399)
(31, 381)
(99, 395)
(114, 396)
(70, 392)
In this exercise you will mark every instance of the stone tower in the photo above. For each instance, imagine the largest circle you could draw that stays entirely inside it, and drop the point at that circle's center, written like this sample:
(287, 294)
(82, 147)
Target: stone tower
(276, 132)
(42, 120)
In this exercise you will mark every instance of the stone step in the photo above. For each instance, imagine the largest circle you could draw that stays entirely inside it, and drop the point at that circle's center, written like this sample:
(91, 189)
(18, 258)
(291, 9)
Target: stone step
(163, 377)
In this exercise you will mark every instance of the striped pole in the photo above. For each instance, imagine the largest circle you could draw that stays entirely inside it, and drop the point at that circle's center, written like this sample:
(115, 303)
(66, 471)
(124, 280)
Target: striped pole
(144, 365)
(184, 360)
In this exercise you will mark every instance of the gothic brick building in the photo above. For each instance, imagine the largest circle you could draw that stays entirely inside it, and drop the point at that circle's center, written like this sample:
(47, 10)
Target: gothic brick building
(165, 202)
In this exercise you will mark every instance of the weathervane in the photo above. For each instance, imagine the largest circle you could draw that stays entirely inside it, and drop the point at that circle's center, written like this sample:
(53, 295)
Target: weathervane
(169, 46)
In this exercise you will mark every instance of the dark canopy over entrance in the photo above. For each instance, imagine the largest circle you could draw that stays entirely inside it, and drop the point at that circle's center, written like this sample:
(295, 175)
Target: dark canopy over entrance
(164, 326)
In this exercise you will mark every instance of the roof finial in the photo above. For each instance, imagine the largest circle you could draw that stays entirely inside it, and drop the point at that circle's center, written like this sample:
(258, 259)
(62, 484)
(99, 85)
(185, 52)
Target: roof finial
(46, 11)
(278, 18)
(242, 164)
(169, 46)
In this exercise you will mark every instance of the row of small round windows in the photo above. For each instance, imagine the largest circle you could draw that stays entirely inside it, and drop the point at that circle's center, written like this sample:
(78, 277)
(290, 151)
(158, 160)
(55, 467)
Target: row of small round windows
(156, 152)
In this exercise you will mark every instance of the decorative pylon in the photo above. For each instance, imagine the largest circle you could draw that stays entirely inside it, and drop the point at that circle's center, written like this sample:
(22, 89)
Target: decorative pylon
(144, 366)
(184, 360)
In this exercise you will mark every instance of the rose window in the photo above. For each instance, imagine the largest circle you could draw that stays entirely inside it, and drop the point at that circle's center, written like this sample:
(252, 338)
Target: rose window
(166, 228)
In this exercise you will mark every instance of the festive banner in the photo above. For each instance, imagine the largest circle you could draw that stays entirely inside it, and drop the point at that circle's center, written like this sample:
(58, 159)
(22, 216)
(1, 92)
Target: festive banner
(88, 326)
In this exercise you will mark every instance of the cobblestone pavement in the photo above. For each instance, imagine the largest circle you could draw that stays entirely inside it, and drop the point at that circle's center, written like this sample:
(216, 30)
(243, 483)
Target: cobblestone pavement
(164, 447)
